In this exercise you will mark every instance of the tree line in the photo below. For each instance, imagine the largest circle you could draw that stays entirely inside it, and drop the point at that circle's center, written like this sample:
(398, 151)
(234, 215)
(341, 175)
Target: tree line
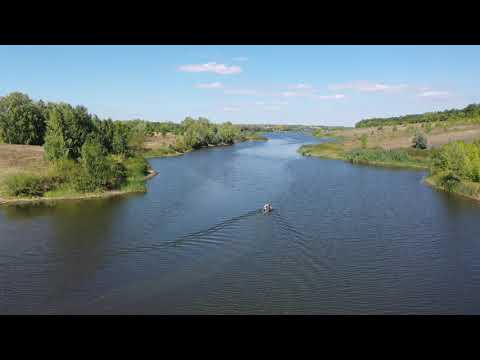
(63, 128)
(85, 153)
(469, 113)
(90, 154)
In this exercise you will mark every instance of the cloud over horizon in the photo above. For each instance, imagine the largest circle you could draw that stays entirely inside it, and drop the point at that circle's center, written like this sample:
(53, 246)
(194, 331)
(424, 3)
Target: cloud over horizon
(300, 86)
(367, 86)
(213, 67)
(433, 93)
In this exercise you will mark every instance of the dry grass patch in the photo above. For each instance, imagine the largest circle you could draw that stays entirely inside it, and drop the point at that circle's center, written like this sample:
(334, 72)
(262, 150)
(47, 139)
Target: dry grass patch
(20, 158)
(160, 141)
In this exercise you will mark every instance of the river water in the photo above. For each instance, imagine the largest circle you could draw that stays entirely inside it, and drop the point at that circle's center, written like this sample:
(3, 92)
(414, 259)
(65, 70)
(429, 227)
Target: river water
(342, 239)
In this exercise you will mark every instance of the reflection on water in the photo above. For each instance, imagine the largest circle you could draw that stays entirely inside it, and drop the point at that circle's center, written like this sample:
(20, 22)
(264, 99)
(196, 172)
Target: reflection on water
(341, 239)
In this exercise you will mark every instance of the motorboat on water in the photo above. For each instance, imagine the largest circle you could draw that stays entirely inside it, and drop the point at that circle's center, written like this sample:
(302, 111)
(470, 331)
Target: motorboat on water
(267, 208)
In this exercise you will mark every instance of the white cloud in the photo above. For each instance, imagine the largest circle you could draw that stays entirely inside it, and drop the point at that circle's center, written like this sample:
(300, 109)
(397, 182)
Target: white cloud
(231, 109)
(312, 95)
(433, 93)
(271, 105)
(329, 97)
(214, 85)
(300, 86)
(367, 86)
(293, 93)
(214, 67)
(240, 58)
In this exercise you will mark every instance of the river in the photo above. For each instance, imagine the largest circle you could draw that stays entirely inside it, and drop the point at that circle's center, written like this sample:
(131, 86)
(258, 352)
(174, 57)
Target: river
(342, 239)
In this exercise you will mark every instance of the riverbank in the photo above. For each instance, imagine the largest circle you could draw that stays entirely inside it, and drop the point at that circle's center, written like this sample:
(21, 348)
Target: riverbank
(469, 190)
(160, 148)
(25, 177)
(401, 158)
(391, 146)
(22, 159)
(53, 197)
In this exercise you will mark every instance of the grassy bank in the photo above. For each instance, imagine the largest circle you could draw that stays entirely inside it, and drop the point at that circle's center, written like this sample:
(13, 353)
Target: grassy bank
(409, 158)
(328, 150)
(163, 151)
(67, 181)
(253, 137)
(463, 188)
(452, 155)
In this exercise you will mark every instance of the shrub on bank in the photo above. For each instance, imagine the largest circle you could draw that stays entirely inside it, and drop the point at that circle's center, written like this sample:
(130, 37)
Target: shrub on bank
(27, 185)
(136, 167)
(407, 157)
(419, 141)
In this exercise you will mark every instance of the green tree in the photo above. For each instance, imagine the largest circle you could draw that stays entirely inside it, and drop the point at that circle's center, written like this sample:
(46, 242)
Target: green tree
(120, 138)
(100, 172)
(67, 130)
(55, 145)
(22, 121)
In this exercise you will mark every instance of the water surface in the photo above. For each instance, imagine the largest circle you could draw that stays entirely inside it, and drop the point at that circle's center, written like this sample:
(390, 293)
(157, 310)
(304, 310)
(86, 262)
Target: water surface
(342, 239)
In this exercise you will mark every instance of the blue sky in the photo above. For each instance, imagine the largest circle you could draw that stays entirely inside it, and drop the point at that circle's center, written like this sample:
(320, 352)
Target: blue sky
(328, 85)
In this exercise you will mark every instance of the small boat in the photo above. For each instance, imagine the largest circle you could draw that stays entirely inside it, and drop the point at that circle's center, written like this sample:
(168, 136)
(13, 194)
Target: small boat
(267, 208)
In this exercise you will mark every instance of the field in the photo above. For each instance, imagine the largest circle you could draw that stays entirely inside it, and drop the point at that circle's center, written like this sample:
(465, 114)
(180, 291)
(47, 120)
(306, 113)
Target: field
(20, 158)
(160, 141)
(395, 137)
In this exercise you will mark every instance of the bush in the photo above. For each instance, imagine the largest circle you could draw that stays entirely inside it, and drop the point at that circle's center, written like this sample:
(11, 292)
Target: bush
(29, 185)
(136, 167)
(97, 172)
(458, 158)
(450, 181)
(419, 141)
(395, 156)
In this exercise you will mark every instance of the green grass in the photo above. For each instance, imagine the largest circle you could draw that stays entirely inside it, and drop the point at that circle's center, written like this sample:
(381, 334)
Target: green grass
(412, 158)
(329, 150)
(58, 181)
(252, 136)
(161, 152)
(24, 185)
(464, 188)
(332, 135)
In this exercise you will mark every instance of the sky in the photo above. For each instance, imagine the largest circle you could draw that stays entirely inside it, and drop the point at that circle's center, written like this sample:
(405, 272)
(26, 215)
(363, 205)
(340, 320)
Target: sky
(311, 85)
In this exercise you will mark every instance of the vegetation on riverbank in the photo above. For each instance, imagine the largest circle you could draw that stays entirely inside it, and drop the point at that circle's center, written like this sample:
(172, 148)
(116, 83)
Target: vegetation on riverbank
(412, 158)
(72, 153)
(81, 153)
(456, 168)
(449, 150)
(194, 134)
